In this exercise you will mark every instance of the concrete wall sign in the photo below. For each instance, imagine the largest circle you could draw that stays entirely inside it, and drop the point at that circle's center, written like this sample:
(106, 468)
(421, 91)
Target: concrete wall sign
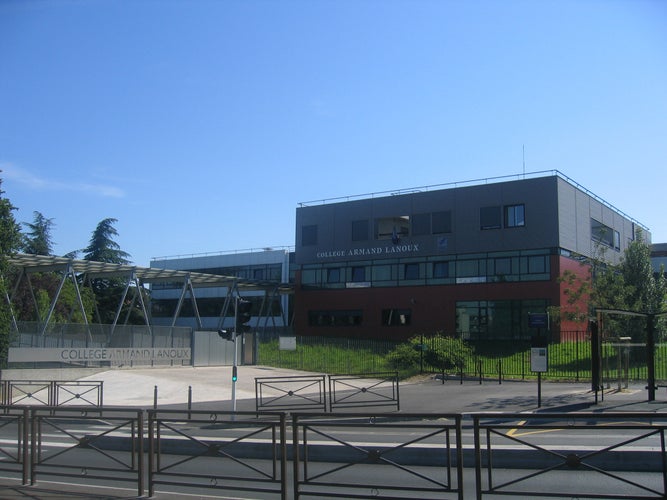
(68, 355)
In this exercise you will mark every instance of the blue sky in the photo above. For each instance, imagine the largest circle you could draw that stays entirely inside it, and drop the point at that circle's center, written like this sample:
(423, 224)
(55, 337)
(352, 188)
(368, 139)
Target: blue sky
(200, 125)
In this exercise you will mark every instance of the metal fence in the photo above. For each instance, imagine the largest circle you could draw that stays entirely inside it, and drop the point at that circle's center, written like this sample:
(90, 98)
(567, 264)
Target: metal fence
(51, 392)
(494, 360)
(309, 392)
(552, 455)
(343, 455)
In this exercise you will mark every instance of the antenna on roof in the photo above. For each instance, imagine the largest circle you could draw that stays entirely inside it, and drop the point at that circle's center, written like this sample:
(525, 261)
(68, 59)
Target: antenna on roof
(523, 157)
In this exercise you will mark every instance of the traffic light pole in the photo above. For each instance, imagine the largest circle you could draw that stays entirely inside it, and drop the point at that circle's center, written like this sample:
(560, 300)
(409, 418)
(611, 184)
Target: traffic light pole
(234, 366)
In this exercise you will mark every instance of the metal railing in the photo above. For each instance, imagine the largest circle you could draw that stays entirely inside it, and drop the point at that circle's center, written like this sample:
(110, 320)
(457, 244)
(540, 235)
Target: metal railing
(52, 393)
(220, 450)
(299, 392)
(15, 430)
(309, 392)
(339, 455)
(522, 454)
(349, 456)
(71, 443)
(368, 389)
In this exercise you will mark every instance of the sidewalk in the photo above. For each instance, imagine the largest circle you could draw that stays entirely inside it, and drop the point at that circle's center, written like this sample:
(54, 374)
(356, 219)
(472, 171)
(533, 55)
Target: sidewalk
(211, 388)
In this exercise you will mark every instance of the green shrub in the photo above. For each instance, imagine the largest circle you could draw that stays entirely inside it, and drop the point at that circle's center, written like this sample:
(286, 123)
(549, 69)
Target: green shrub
(447, 353)
(404, 357)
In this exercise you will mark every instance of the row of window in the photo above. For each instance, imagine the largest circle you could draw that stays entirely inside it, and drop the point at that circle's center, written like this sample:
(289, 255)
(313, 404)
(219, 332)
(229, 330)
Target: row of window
(422, 224)
(207, 307)
(501, 267)
(500, 319)
(261, 272)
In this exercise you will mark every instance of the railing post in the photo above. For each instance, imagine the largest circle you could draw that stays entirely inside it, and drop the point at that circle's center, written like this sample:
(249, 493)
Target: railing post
(140, 461)
(478, 457)
(295, 455)
(25, 431)
(151, 451)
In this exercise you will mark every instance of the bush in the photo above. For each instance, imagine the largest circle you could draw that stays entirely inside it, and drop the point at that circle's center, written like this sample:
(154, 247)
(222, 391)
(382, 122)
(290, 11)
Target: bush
(447, 353)
(403, 357)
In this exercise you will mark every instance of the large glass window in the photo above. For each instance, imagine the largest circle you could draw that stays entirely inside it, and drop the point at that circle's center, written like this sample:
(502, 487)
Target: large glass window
(500, 319)
(515, 216)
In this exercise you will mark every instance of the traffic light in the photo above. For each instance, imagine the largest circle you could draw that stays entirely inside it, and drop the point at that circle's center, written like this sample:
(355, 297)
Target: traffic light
(226, 334)
(242, 315)
(234, 374)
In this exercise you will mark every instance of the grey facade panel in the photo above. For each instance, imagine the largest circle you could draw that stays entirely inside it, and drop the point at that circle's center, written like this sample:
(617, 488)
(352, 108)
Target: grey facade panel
(334, 222)
(557, 215)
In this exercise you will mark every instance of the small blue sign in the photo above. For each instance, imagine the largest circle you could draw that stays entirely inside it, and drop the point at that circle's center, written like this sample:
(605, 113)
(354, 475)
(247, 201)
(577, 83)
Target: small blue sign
(538, 320)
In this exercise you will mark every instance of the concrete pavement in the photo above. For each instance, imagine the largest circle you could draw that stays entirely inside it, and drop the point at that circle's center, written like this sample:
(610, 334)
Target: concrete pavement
(211, 388)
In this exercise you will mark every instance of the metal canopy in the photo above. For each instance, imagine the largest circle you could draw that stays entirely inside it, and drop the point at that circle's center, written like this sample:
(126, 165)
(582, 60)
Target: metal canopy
(92, 269)
(72, 269)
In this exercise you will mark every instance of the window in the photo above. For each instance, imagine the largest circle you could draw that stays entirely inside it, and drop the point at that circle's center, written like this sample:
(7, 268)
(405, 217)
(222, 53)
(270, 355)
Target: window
(602, 233)
(335, 318)
(503, 266)
(381, 273)
(396, 317)
(441, 269)
(358, 274)
(501, 319)
(489, 218)
(467, 268)
(537, 264)
(411, 271)
(333, 275)
(359, 230)
(308, 235)
(258, 274)
(421, 224)
(392, 228)
(515, 216)
(441, 222)
(617, 241)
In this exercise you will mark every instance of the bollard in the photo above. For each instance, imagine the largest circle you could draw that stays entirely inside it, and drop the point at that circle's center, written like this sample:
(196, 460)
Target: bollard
(189, 402)
(155, 398)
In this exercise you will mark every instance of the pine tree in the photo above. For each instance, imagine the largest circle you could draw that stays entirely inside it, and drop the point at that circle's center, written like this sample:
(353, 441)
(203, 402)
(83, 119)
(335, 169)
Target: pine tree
(38, 240)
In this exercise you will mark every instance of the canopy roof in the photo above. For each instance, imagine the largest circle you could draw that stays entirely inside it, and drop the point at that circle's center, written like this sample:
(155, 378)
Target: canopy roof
(93, 269)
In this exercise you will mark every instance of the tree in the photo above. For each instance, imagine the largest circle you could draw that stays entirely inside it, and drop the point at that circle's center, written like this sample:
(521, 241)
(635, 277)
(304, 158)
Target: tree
(38, 240)
(645, 291)
(10, 242)
(108, 292)
(102, 247)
